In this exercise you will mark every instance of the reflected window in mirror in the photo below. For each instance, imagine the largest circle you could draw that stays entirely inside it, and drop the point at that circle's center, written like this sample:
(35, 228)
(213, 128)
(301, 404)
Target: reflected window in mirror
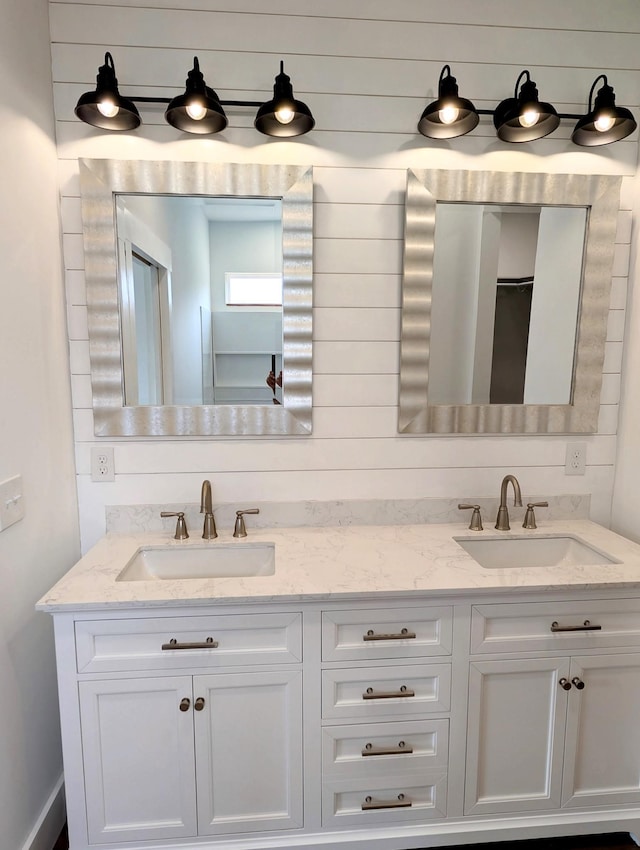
(505, 299)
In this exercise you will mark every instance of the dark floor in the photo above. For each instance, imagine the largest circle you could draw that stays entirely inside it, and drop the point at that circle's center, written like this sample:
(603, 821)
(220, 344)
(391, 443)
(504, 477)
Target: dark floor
(612, 841)
(63, 842)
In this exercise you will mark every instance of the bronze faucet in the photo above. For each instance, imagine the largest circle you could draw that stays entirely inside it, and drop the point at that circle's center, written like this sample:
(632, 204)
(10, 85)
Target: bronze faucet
(502, 520)
(206, 508)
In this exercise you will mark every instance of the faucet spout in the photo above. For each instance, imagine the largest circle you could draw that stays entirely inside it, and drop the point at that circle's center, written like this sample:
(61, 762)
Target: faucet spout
(206, 508)
(502, 520)
(205, 498)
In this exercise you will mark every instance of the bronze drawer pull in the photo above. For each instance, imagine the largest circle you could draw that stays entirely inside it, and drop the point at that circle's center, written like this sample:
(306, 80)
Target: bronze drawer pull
(400, 803)
(403, 693)
(402, 749)
(585, 627)
(405, 634)
(209, 643)
(185, 704)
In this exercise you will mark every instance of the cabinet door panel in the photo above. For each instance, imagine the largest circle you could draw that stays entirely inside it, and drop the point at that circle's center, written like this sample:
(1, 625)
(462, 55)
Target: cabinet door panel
(515, 742)
(603, 733)
(139, 759)
(249, 752)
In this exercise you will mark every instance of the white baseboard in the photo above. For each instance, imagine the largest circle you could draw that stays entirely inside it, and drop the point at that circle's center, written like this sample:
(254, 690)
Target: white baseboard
(49, 824)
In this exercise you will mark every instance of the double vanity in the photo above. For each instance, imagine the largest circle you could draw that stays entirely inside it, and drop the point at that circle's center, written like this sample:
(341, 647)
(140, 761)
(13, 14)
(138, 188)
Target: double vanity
(395, 686)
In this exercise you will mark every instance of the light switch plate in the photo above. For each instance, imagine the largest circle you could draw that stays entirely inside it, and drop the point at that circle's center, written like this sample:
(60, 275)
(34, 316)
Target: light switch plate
(11, 502)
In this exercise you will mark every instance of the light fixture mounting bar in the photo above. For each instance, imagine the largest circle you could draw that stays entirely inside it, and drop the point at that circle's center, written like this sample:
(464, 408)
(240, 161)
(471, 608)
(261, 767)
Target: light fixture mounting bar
(140, 99)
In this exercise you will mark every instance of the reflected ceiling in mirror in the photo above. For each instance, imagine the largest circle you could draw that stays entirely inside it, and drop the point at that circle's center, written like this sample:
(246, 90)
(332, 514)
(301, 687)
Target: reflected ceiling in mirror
(184, 361)
(473, 291)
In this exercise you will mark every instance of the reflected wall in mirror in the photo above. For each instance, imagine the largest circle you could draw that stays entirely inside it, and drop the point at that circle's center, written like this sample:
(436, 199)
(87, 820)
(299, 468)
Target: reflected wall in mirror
(199, 285)
(505, 301)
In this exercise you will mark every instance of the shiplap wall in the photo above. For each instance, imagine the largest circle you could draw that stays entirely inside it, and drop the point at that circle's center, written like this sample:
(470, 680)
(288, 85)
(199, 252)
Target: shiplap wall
(366, 68)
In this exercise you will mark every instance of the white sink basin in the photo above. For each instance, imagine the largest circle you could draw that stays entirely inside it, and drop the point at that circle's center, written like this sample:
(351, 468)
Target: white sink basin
(171, 563)
(550, 551)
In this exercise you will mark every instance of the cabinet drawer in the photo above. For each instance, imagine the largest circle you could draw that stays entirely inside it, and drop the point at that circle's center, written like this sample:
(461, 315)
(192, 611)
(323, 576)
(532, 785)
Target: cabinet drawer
(381, 749)
(389, 633)
(562, 626)
(170, 643)
(386, 691)
(381, 801)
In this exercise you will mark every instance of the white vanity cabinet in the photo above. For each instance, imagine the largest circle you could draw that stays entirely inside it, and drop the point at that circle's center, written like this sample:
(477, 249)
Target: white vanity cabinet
(407, 722)
(552, 719)
(212, 746)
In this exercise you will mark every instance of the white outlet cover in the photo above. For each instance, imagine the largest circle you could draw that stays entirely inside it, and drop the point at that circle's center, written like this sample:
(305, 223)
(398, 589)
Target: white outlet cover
(11, 502)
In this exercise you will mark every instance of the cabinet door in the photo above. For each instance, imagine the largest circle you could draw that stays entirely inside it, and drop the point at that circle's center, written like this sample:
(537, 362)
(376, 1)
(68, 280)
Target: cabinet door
(138, 759)
(248, 735)
(515, 737)
(603, 732)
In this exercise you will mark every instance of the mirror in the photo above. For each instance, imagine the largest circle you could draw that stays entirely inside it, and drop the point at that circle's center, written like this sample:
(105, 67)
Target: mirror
(199, 285)
(505, 300)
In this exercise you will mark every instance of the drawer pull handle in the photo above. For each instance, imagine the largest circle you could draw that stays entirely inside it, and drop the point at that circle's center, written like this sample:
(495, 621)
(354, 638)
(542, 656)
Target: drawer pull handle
(565, 684)
(404, 634)
(402, 749)
(585, 627)
(403, 693)
(184, 704)
(209, 643)
(400, 803)
(579, 684)
(199, 704)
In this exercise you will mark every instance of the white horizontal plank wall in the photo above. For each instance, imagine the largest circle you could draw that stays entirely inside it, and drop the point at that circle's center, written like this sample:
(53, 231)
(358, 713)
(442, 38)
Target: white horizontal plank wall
(366, 70)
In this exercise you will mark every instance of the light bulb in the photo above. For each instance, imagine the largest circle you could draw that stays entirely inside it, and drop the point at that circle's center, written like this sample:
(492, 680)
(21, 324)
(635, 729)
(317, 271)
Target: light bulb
(448, 114)
(285, 114)
(529, 117)
(196, 110)
(108, 108)
(604, 122)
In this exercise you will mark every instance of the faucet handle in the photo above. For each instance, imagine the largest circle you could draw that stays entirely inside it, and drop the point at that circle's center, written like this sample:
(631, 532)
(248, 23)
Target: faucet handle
(240, 530)
(181, 525)
(476, 518)
(530, 517)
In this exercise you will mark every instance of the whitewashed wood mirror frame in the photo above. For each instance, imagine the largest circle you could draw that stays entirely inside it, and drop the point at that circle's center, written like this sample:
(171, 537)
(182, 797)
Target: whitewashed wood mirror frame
(600, 195)
(102, 181)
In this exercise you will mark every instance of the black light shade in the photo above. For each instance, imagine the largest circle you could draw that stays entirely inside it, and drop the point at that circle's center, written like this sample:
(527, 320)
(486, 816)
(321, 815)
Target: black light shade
(605, 122)
(284, 115)
(105, 107)
(450, 115)
(198, 110)
(523, 117)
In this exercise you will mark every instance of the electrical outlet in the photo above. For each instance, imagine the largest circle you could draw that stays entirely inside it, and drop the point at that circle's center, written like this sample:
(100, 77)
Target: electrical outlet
(576, 459)
(102, 464)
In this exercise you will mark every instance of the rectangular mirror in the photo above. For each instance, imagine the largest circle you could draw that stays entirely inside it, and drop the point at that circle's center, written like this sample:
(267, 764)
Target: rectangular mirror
(505, 301)
(199, 293)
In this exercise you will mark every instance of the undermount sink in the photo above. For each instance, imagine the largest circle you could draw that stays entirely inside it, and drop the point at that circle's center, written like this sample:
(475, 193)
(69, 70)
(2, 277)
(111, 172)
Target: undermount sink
(172, 563)
(550, 551)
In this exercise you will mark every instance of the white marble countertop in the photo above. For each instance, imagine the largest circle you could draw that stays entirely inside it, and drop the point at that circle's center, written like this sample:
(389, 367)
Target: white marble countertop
(339, 563)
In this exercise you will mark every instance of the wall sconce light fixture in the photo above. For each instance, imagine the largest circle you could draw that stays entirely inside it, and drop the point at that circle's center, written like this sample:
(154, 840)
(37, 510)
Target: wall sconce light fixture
(605, 122)
(284, 115)
(105, 107)
(450, 115)
(524, 117)
(199, 110)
